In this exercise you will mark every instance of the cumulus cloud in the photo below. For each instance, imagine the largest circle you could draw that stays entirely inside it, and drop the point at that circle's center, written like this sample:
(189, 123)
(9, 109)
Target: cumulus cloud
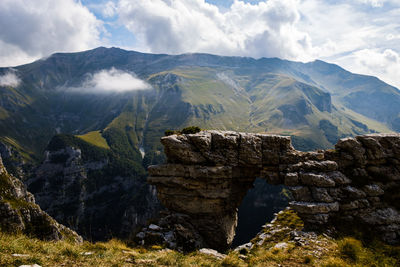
(384, 64)
(303, 30)
(30, 29)
(109, 9)
(358, 38)
(10, 78)
(112, 81)
(374, 3)
(264, 29)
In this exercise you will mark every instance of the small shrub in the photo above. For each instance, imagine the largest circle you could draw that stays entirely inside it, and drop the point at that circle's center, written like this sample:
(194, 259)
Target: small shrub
(350, 248)
(156, 247)
(275, 251)
(191, 130)
(244, 251)
(231, 261)
(187, 130)
(334, 262)
(308, 259)
(141, 250)
(69, 252)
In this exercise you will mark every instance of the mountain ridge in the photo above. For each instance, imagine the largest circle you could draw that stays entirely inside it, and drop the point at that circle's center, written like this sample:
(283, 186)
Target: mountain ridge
(212, 92)
(40, 78)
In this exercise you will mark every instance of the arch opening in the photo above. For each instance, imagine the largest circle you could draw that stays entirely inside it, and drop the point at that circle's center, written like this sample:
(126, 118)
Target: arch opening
(208, 175)
(257, 208)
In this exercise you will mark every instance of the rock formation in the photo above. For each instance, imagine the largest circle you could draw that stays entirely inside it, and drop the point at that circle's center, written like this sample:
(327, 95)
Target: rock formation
(80, 193)
(20, 214)
(208, 174)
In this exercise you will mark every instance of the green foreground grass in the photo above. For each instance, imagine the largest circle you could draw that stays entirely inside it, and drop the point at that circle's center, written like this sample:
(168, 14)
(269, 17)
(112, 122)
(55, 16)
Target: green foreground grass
(16, 250)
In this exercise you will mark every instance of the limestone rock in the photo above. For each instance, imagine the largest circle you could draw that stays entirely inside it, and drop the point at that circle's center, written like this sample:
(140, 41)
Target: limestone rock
(212, 252)
(291, 179)
(301, 193)
(250, 150)
(67, 187)
(321, 180)
(339, 178)
(179, 149)
(210, 172)
(314, 208)
(321, 194)
(383, 217)
(175, 232)
(373, 190)
(355, 204)
(20, 213)
(353, 193)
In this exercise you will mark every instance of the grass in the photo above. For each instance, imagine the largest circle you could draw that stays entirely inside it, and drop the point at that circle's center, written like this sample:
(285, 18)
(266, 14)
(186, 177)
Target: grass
(95, 138)
(321, 251)
(318, 251)
(111, 253)
(61, 252)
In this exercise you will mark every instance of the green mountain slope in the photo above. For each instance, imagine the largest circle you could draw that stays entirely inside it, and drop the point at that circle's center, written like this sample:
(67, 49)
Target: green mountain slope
(211, 91)
(317, 103)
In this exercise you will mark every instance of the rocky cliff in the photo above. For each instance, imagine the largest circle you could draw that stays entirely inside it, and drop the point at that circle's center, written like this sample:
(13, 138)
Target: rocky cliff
(76, 185)
(20, 214)
(208, 174)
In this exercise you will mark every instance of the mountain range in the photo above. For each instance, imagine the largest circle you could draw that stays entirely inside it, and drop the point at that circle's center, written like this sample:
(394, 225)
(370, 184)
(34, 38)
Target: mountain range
(79, 150)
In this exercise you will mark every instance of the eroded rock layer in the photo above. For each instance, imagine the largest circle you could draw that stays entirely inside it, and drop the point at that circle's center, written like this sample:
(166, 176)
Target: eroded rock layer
(209, 173)
(20, 214)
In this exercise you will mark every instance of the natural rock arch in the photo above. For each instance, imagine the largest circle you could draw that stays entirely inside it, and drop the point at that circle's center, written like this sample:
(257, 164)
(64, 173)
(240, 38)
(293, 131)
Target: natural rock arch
(207, 175)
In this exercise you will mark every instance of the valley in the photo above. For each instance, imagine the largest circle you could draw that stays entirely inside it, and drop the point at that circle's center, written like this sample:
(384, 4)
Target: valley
(81, 152)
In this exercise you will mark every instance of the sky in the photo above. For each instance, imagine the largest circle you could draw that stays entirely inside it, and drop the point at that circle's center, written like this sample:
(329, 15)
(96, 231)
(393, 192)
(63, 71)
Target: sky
(363, 36)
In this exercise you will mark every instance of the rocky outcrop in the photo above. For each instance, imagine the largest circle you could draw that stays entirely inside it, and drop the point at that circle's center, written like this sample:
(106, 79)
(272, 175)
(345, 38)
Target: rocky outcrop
(208, 174)
(85, 195)
(20, 214)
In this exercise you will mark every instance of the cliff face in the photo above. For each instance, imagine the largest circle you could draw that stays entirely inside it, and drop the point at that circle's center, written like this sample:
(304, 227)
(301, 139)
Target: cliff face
(20, 214)
(208, 174)
(81, 193)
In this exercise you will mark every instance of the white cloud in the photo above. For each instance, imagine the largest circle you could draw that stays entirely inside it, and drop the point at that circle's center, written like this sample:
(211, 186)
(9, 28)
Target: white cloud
(109, 9)
(264, 29)
(303, 30)
(374, 3)
(384, 64)
(30, 29)
(112, 81)
(355, 37)
(10, 78)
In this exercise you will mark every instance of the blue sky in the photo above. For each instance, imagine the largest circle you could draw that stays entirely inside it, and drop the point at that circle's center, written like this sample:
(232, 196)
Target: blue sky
(362, 36)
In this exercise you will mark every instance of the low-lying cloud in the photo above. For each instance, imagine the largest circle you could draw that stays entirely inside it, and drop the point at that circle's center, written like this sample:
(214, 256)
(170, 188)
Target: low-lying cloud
(9, 79)
(112, 81)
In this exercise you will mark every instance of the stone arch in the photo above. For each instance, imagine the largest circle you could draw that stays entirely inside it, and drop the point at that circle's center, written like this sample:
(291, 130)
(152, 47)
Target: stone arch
(207, 175)
(260, 205)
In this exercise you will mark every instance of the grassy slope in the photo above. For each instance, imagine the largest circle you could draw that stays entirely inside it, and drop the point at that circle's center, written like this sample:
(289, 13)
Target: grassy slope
(95, 138)
(240, 101)
(319, 251)
(245, 96)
